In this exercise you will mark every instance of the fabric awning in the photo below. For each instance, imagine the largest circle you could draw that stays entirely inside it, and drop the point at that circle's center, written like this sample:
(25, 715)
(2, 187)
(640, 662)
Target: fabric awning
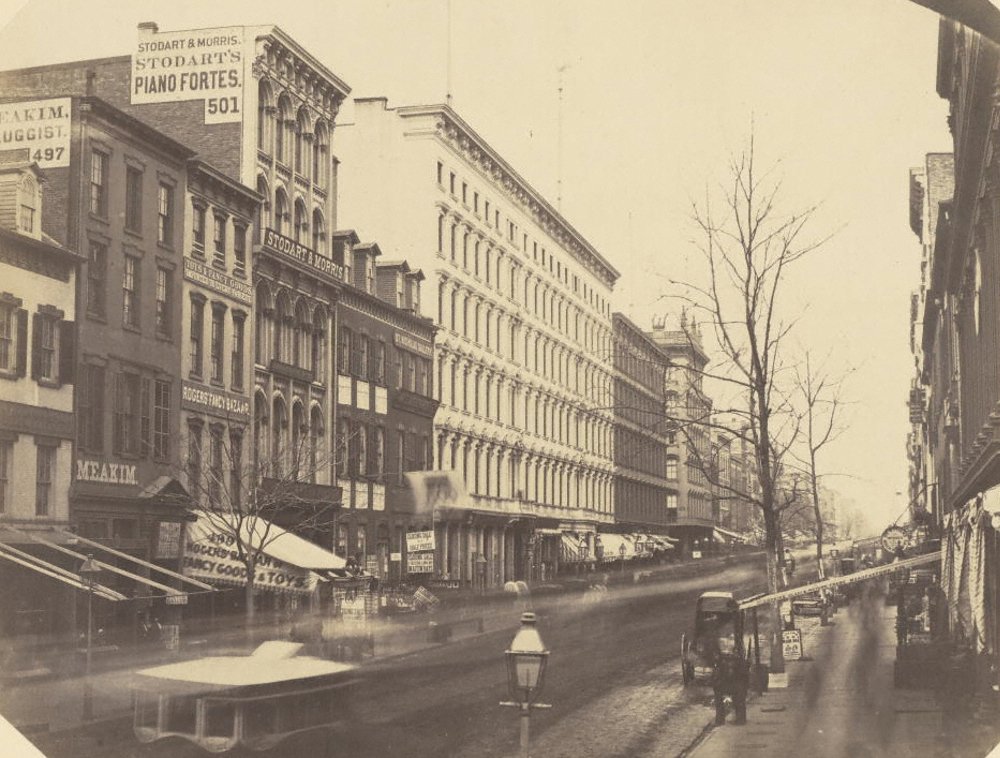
(735, 536)
(286, 562)
(570, 552)
(52, 571)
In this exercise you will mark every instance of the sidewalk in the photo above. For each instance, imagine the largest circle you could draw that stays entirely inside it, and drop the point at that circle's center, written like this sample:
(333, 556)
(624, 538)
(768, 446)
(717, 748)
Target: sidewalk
(841, 701)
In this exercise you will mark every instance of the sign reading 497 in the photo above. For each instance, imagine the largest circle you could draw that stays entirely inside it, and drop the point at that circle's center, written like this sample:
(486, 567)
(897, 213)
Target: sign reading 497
(199, 64)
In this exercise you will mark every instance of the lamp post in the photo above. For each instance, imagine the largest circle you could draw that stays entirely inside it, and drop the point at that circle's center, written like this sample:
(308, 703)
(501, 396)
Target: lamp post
(621, 552)
(88, 575)
(526, 659)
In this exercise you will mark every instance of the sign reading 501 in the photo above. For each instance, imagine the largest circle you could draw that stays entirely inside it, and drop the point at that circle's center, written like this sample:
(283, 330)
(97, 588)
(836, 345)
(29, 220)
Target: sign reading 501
(200, 64)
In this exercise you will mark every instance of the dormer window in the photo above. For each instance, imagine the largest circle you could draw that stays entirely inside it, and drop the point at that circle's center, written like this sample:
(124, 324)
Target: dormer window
(27, 220)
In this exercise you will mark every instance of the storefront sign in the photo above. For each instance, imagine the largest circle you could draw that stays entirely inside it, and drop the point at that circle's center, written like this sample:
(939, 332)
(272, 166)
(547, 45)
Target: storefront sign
(181, 599)
(200, 398)
(417, 542)
(168, 540)
(200, 64)
(420, 563)
(92, 470)
(289, 248)
(444, 584)
(395, 557)
(791, 644)
(215, 280)
(213, 557)
(41, 126)
(415, 346)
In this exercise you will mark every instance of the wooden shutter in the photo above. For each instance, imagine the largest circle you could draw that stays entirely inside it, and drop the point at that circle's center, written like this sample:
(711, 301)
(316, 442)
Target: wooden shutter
(67, 352)
(22, 341)
(36, 345)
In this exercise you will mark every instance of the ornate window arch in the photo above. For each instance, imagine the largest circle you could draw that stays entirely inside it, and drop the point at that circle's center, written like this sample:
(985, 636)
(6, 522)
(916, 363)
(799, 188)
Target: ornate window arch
(300, 230)
(321, 154)
(283, 129)
(279, 423)
(318, 232)
(264, 317)
(265, 116)
(281, 211)
(301, 329)
(282, 328)
(302, 162)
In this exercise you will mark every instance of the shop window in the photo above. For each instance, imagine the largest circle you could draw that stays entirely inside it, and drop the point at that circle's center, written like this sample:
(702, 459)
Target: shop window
(45, 463)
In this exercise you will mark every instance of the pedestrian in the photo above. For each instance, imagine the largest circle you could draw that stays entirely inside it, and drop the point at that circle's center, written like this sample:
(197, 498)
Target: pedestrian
(730, 676)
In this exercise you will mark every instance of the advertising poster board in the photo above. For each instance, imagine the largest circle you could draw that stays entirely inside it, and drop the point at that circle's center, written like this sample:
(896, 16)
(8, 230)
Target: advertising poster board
(791, 644)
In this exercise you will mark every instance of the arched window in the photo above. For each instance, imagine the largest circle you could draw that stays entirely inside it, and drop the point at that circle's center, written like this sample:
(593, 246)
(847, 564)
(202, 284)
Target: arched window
(299, 451)
(340, 452)
(279, 422)
(264, 211)
(301, 230)
(320, 156)
(316, 451)
(265, 325)
(265, 117)
(319, 344)
(283, 129)
(282, 330)
(280, 223)
(301, 343)
(302, 143)
(318, 232)
(260, 436)
(361, 467)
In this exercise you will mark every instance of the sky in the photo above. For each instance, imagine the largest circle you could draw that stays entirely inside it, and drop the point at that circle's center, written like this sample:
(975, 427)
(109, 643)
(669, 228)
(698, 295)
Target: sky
(656, 96)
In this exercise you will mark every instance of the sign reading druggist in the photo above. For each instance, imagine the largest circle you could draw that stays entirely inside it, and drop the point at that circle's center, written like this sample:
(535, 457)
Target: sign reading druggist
(41, 126)
(199, 64)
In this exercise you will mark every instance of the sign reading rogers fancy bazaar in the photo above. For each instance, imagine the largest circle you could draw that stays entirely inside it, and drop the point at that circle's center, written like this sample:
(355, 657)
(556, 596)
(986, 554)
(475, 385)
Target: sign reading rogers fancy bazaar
(215, 400)
(289, 248)
(42, 126)
(199, 64)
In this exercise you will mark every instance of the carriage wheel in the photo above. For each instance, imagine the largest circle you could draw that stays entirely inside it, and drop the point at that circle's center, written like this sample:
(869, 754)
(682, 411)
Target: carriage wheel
(687, 673)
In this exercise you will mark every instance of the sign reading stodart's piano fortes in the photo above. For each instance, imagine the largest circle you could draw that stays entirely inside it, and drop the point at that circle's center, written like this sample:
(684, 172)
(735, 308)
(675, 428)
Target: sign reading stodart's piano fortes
(296, 251)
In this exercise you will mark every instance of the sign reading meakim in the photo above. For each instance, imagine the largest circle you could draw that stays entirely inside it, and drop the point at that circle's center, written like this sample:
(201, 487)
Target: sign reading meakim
(42, 126)
(200, 64)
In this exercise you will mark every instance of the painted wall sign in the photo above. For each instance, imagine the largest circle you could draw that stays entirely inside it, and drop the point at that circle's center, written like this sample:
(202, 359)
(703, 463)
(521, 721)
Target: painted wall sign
(42, 126)
(92, 470)
(201, 398)
(289, 248)
(199, 64)
(215, 280)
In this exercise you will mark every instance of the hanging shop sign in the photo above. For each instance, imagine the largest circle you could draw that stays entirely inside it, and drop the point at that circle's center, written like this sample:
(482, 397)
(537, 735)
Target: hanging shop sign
(199, 64)
(41, 126)
(894, 538)
(420, 563)
(417, 542)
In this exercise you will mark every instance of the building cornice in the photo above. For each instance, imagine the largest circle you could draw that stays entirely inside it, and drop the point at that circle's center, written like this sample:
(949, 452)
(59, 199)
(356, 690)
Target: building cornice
(460, 136)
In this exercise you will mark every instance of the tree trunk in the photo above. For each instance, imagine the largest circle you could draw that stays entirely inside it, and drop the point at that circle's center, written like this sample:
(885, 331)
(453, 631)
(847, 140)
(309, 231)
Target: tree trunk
(250, 606)
(774, 584)
(819, 520)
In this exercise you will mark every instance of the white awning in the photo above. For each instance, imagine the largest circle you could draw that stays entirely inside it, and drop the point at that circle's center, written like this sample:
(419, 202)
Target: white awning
(613, 544)
(286, 563)
(735, 536)
(12, 554)
(570, 552)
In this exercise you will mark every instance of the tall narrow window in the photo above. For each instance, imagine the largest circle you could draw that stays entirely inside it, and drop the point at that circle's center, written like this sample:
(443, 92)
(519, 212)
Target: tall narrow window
(197, 334)
(236, 469)
(239, 250)
(165, 214)
(219, 242)
(98, 184)
(163, 302)
(145, 425)
(96, 278)
(44, 346)
(125, 413)
(161, 420)
(133, 199)
(194, 461)
(218, 314)
(130, 292)
(215, 472)
(6, 466)
(91, 409)
(198, 230)
(46, 457)
(236, 370)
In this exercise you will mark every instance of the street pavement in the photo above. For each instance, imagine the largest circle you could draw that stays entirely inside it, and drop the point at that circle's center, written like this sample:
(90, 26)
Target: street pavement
(841, 701)
(613, 680)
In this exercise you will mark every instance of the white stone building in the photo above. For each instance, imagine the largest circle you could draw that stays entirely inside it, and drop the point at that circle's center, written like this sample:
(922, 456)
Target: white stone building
(523, 359)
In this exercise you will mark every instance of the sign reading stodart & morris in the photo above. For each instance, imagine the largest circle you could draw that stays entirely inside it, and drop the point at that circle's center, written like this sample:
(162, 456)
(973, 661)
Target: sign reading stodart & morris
(199, 64)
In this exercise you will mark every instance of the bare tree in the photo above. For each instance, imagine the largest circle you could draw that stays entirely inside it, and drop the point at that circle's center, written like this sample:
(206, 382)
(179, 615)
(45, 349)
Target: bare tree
(820, 395)
(244, 495)
(748, 250)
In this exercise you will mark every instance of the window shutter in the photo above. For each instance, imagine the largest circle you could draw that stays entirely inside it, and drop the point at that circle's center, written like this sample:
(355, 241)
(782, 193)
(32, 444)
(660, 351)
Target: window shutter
(22, 341)
(67, 352)
(36, 343)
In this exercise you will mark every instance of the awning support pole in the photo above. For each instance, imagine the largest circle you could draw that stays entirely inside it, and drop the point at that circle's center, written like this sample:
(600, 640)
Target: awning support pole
(60, 574)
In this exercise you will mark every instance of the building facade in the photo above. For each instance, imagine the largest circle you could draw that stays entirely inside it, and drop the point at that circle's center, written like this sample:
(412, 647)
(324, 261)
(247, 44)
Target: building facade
(523, 362)
(691, 501)
(641, 428)
(386, 407)
(37, 376)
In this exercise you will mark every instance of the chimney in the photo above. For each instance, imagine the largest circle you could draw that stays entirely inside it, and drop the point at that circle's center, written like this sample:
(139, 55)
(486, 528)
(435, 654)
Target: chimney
(91, 82)
(150, 27)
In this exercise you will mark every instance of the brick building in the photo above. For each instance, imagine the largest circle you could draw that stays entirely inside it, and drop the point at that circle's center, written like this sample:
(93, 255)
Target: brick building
(386, 406)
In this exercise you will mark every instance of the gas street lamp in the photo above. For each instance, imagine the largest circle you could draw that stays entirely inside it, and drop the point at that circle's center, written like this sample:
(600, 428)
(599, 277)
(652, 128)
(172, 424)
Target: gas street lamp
(621, 551)
(88, 575)
(526, 659)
